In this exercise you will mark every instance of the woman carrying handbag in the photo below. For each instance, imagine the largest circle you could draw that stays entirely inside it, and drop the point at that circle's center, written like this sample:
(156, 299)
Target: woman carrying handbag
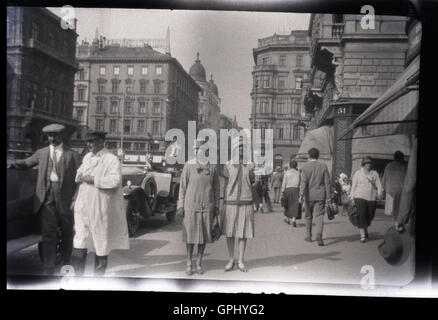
(365, 190)
(290, 189)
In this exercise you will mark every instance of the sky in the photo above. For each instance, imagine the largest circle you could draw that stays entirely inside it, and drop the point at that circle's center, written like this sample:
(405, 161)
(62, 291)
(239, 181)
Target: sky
(224, 40)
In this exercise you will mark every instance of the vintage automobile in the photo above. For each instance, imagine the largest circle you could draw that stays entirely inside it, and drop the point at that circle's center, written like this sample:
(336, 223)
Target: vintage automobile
(149, 188)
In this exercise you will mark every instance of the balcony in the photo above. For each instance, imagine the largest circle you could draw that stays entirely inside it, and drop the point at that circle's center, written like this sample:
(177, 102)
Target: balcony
(37, 45)
(267, 67)
(52, 117)
(337, 30)
(296, 92)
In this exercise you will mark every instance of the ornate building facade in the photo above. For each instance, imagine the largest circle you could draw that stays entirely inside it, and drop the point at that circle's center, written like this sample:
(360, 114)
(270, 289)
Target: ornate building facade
(280, 76)
(209, 101)
(40, 73)
(135, 94)
(350, 68)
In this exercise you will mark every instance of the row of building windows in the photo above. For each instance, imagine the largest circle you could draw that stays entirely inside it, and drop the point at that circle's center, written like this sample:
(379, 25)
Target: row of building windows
(290, 107)
(282, 60)
(115, 87)
(127, 146)
(128, 126)
(295, 132)
(130, 70)
(129, 106)
(266, 82)
(45, 98)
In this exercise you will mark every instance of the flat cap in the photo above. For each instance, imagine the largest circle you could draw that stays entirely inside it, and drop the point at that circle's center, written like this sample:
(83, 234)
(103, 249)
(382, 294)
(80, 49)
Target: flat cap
(54, 127)
(91, 135)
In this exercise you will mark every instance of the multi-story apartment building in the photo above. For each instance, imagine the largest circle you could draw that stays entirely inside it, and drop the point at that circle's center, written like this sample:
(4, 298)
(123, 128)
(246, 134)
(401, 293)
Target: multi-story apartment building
(81, 102)
(40, 72)
(209, 101)
(280, 75)
(136, 94)
(350, 68)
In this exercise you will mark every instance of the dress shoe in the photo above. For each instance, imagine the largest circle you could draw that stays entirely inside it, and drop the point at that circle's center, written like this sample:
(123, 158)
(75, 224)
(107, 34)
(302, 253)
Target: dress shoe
(319, 239)
(229, 266)
(308, 239)
(199, 269)
(189, 270)
(242, 267)
(294, 224)
(100, 264)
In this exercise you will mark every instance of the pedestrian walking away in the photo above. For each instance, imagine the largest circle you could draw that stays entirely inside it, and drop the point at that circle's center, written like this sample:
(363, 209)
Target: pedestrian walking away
(315, 194)
(290, 190)
(100, 222)
(55, 190)
(277, 179)
(365, 190)
(392, 183)
(198, 204)
(238, 219)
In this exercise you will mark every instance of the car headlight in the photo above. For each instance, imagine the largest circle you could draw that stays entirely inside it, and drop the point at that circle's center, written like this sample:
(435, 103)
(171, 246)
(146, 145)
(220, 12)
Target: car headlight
(128, 183)
(163, 163)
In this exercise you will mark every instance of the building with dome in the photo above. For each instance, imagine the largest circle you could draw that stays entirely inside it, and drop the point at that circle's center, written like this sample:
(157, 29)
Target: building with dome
(209, 101)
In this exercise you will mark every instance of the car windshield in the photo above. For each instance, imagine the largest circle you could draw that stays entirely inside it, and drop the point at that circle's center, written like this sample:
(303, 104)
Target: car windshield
(132, 170)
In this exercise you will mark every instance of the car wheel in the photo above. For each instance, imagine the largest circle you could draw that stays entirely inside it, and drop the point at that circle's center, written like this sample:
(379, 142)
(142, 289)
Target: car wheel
(133, 216)
(170, 215)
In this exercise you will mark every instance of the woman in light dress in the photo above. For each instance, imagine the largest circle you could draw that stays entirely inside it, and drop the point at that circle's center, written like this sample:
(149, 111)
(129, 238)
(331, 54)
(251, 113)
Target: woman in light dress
(238, 219)
(198, 203)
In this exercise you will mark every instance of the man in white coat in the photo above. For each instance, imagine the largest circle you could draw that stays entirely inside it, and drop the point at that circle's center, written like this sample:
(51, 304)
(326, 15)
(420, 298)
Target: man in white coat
(100, 222)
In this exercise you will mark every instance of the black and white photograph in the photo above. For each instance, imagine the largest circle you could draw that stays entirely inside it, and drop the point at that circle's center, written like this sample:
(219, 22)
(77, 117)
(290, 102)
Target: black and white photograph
(242, 151)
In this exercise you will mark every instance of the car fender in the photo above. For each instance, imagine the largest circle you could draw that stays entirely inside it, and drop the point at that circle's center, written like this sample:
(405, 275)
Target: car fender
(138, 192)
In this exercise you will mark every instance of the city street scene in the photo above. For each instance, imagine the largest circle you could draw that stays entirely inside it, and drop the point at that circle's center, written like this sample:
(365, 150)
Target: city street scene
(118, 166)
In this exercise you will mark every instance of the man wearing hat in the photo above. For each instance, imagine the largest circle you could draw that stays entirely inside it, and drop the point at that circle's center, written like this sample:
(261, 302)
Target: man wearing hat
(55, 189)
(100, 222)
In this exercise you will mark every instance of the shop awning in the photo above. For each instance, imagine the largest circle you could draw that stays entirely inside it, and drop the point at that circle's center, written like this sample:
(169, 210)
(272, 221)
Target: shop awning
(320, 138)
(395, 112)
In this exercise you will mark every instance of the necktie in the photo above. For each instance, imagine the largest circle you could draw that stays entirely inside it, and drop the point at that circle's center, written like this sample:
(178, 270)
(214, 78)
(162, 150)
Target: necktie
(55, 161)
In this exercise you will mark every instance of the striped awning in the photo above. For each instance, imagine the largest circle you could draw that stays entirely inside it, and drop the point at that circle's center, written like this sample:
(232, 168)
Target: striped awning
(395, 112)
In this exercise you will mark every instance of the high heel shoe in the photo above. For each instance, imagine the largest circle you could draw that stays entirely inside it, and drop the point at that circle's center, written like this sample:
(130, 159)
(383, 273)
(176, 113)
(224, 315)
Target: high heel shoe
(294, 224)
(189, 270)
(199, 269)
(229, 266)
(242, 267)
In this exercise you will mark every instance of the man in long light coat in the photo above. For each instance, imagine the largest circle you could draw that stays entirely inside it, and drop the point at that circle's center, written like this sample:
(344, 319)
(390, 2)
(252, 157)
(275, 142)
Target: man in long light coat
(393, 181)
(100, 222)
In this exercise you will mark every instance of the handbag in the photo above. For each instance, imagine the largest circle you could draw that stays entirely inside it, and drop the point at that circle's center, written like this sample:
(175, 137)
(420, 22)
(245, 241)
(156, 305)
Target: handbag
(352, 213)
(300, 211)
(216, 231)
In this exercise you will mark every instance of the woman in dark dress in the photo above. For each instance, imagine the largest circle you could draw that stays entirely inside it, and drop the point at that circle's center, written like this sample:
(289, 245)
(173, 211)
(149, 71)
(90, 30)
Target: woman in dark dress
(290, 189)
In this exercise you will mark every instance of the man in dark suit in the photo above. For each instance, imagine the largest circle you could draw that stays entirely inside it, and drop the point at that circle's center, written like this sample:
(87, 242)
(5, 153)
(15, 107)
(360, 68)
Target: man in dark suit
(315, 193)
(55, 189)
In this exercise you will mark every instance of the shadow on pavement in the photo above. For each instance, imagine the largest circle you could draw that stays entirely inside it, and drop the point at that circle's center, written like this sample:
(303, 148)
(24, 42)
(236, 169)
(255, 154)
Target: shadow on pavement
(373, 236)
(156, 264)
